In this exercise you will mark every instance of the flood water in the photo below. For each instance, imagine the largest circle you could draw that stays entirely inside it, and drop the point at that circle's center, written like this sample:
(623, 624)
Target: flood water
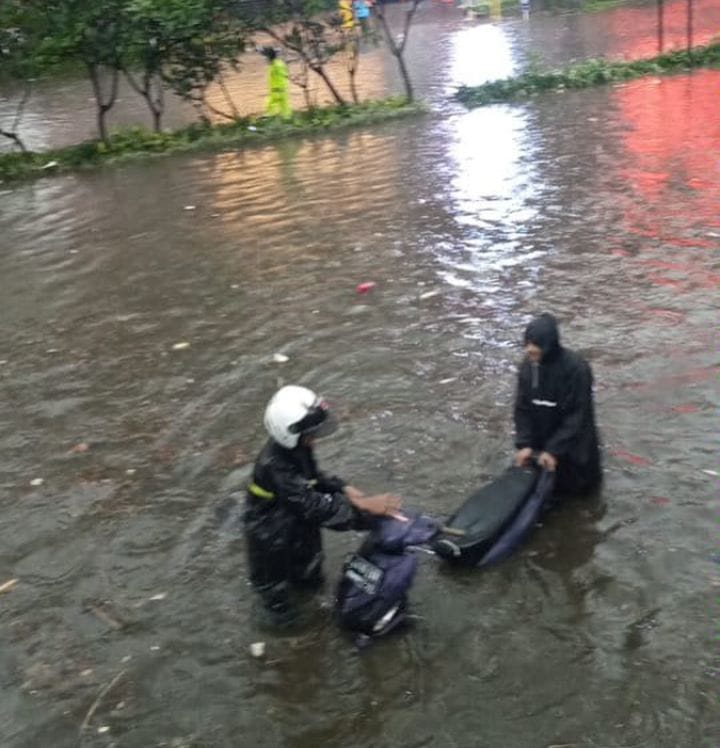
(130, 622)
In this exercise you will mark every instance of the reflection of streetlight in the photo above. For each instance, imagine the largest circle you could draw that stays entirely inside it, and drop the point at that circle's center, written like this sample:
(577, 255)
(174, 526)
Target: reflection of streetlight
(661, 30)
(689, 25)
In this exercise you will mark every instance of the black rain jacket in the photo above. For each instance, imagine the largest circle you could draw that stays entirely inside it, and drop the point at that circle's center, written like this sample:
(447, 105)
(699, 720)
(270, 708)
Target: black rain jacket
(554, 410)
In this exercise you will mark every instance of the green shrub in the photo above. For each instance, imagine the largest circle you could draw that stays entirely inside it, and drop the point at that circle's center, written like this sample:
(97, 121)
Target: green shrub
(587, 73)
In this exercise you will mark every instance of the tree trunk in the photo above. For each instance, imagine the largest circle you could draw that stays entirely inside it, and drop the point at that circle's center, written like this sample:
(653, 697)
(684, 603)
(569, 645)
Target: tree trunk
(103, 107)
(406, 77)
(155, 103)
(15, 139)
(102, 125)
(159, 104)
(353, 88)
(319, 70)
(353, 59)
(12, 134)
(228, 97)
(398, 50)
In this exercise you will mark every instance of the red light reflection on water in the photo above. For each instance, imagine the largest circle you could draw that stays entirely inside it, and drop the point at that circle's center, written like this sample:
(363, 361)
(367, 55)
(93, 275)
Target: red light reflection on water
(641, 23)
(673, 168)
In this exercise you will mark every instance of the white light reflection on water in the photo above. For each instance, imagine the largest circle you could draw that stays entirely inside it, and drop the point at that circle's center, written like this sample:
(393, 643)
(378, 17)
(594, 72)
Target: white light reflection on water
(493, 187)
(493, 191)
(480, 54)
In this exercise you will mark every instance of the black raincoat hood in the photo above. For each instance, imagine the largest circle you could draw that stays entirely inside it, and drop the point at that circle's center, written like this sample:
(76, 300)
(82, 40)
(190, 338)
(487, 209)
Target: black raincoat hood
(543, 332)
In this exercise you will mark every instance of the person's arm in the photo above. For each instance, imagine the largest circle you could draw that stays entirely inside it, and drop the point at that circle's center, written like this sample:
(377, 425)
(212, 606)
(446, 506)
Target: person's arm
(315, 504)
(330, 508)
(576, 405)
(331, 483)
(523, 410)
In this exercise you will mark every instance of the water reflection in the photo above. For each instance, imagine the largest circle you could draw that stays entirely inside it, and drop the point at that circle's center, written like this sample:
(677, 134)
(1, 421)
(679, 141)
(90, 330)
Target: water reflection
(494, 192)
(479, 54)
(680, 238)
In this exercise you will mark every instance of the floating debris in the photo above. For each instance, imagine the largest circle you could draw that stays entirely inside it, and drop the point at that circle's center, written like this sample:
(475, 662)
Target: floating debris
(159, 596)
(80, 448)
(257, 649)
(190, 207)
(363, 288)
(633, 459)
(9, 585)
(37, 482)
(106, 618)
(181, 346)
(280, 358)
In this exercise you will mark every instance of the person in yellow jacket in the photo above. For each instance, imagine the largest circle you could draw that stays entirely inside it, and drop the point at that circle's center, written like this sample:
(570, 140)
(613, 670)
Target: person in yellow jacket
(347, 15)
(278, 102)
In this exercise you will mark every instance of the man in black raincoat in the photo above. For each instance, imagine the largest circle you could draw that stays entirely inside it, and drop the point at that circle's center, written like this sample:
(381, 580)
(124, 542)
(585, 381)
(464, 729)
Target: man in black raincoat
(289, 500)
(554, 411)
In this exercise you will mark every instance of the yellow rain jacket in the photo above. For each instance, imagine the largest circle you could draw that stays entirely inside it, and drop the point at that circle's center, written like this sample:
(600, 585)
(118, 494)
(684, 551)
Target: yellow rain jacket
(278, 103)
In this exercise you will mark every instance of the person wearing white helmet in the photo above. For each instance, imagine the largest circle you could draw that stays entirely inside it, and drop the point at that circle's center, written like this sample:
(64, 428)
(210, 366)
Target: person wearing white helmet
(289, 500)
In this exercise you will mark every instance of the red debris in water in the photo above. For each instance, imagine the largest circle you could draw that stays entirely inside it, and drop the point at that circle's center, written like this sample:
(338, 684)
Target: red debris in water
(685, 409)
(363, 288)
(631, 458)
(660, 500)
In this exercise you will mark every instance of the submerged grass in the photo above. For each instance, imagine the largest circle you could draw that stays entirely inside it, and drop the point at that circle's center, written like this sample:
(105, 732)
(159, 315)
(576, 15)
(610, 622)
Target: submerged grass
(136, 143)
(586, 74)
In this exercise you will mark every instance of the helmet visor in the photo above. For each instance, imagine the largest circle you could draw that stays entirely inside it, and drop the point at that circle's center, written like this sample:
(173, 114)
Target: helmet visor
(328, 426)
(318, 422)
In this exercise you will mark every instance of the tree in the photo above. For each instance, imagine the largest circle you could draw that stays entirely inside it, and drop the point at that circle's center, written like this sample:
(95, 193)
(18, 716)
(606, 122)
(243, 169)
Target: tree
(93, 34)
(200, 60)
(181, 43)
(299, 27)
(10, 56)
(397, 46)
(18, 42)
(351, 47)
(300, 76)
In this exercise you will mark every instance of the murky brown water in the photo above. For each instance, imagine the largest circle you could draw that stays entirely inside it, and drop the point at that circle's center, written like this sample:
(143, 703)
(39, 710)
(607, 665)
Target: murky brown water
(602, 205)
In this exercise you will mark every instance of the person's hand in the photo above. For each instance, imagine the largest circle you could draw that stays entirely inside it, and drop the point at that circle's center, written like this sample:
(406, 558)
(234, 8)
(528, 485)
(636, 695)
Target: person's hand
(523, 456)
(548, 462)
(384, 504)
(353, 493)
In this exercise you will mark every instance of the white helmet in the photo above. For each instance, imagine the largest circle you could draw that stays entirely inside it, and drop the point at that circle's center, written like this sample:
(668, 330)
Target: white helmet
(294, 411)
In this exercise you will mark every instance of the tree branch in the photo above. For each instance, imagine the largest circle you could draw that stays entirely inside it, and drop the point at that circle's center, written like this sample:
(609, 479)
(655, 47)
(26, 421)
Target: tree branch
(408, 20)
(21, 106)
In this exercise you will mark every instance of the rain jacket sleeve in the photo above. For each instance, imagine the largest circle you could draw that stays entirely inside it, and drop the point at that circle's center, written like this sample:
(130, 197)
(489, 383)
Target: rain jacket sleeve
(523, 409)
(576, 409)
(319, 502)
